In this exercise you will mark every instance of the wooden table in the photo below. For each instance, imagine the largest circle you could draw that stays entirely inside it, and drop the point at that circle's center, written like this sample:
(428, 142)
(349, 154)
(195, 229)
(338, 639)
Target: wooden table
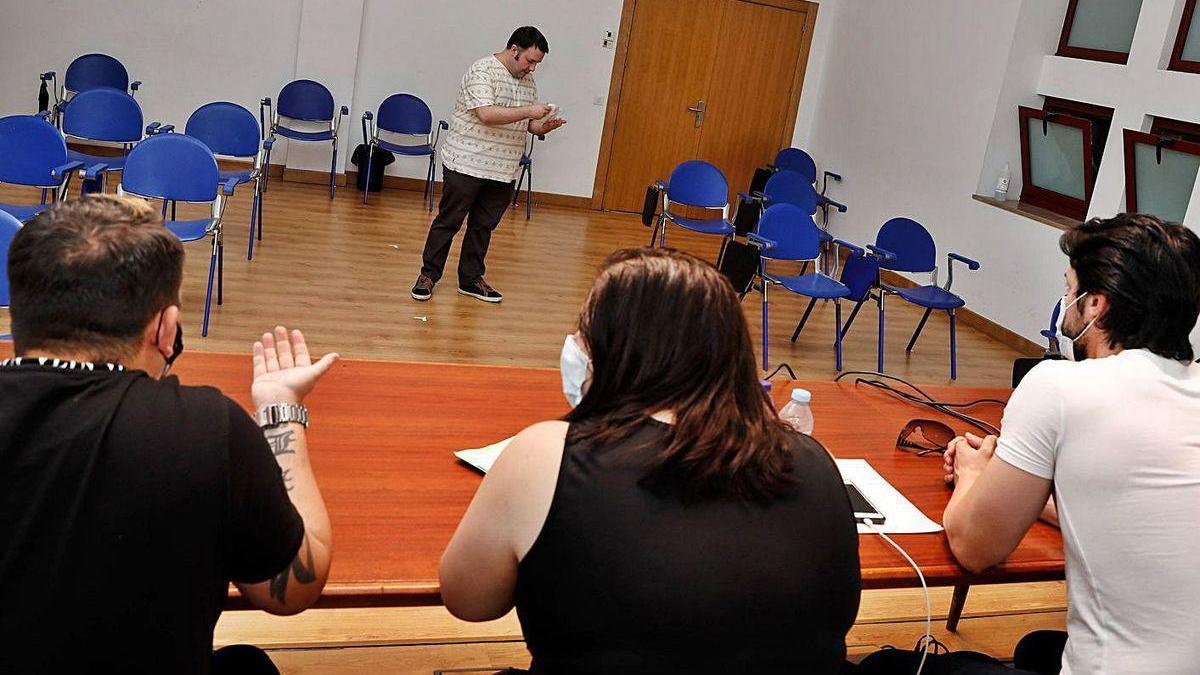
(382, 435)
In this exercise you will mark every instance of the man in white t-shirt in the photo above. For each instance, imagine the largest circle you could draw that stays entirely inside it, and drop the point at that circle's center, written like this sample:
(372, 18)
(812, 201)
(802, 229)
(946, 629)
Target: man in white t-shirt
(495, 112)
(1114, 433)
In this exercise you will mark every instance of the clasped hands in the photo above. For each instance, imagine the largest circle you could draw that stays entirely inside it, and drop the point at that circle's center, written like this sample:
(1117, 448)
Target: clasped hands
(965, 458)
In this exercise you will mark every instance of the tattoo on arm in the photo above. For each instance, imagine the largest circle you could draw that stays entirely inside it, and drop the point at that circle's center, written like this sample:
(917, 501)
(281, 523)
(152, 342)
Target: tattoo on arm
(288, 481)
(281, 442)
(302, 567)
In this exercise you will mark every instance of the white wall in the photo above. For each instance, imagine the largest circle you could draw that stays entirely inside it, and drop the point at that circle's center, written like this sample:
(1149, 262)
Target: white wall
(185, 53)
(425, 47)
(917, 109)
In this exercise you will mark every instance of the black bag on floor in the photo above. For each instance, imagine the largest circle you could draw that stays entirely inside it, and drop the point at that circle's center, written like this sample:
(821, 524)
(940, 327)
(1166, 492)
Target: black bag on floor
(650, 205)
(739, 262)
(379, 161)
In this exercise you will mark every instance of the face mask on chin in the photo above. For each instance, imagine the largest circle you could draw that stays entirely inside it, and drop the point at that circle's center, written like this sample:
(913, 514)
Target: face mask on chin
(1069, 347)
(575, 366)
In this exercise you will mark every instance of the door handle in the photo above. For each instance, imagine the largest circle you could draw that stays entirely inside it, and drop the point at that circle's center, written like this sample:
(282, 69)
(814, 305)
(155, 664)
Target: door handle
(698, 111)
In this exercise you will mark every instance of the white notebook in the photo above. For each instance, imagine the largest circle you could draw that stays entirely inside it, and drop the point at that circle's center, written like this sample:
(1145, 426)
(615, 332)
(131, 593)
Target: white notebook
(901, 516)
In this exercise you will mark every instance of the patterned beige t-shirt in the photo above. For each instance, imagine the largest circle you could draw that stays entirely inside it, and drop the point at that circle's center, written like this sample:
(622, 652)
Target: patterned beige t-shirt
(476, 149)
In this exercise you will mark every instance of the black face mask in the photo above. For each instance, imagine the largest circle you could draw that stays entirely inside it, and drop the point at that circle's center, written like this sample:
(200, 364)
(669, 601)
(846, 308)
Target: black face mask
(177, 348)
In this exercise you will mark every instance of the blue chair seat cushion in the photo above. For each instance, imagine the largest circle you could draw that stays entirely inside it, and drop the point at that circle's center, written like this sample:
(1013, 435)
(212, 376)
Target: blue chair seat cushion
(23, 213)
(812, 285)
(241, 176)
(932, 297)
(705, 226)
(326, 135)
(410, 150)
(189, 230)
(115, 163)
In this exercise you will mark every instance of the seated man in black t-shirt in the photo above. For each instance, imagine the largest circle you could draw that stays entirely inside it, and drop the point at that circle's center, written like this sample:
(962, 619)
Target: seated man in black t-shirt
(127, 501)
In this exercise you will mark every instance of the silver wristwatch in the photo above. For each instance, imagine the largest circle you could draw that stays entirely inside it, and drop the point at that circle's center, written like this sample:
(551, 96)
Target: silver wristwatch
(274, 414)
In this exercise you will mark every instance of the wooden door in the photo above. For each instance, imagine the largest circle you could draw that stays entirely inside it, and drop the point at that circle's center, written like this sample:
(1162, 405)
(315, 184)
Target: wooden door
(751, 112)
(666, 72)
(744, 59)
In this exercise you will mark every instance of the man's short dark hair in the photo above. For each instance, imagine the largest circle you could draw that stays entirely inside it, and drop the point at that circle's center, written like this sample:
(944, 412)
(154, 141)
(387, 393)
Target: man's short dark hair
(528, 36)
(89, 275)
(1150, 272)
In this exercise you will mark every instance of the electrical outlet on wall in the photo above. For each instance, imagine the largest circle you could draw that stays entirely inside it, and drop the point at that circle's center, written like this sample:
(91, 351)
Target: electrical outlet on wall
(610, 38)
(598, 100)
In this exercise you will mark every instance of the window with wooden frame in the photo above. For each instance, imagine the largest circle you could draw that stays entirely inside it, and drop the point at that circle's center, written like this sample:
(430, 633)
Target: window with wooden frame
(1061, 147)
(1161, 168)
(1186, 54)
(1099, 30)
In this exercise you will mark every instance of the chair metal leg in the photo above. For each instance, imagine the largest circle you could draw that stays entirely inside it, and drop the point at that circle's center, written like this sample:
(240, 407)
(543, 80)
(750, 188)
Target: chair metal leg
(765, 324)
(43, 195)
(953, 353)
(220, 271)
(528, 192)
(367, 182)
(260, 188)
(520, 182)
(853, 313)
(804, 268)
(837, 332)
(804, 319)
(253, 218)
(212, 265)
(173, 205)
(429, 182)
(879, 352)
(917, 333)
(164, 210)
(957, 603)
(332, 169)
(267, 169)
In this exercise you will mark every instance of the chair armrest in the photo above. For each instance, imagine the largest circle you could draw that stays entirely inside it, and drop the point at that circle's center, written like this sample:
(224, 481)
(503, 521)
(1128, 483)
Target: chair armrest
(847, 245)
(764, 244)
(971, 264)
(268, 143)
(662, 185)
(266, 100)
(837, 177)
(881, 252)
(228, 186)
(93, 172)
(135, 85)
(368, 115)
(155, 128)
(65, 170)
(840, 207)
(345, 110)
(540, 137)
(443, 124)
(46, 114)
(48, 75)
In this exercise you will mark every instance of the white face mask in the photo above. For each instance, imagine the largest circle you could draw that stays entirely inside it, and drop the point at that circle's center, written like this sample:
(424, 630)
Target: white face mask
(576, 366)
(1066, 345)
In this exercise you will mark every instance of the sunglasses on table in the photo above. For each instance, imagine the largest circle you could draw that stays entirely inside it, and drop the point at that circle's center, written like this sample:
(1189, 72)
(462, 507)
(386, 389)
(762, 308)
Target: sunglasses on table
(925, 437)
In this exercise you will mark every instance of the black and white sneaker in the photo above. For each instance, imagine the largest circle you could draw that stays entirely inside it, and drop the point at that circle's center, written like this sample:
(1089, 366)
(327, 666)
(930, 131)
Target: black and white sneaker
(481, 291)
(423, 289)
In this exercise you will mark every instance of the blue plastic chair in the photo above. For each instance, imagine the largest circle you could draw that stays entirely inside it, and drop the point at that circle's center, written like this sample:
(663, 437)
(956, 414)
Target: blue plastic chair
(304, 103)
(179, 168)
(9, 226)
(786, 232)
(33, 154)
(795, 159)
(699, 184)
(403, 114)
(105, 115)
(906, 246)
(792, 187)
(89, 71)
(526, 174)
(229, 130)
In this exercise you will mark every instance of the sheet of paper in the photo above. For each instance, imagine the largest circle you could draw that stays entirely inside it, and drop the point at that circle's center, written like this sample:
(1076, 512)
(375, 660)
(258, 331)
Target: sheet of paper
(483, 458)
(901, 516)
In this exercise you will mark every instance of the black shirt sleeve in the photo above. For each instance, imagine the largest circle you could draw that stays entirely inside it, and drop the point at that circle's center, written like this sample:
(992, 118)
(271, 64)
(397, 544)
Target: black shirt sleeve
(265, 529)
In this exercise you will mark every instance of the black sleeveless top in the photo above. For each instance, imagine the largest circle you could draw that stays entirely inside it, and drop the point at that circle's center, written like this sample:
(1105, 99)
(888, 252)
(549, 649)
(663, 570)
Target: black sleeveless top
(624, 579)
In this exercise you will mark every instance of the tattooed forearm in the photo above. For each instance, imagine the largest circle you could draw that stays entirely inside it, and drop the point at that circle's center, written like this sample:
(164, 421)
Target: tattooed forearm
(281, 442)
(288, 481)
(302, 567)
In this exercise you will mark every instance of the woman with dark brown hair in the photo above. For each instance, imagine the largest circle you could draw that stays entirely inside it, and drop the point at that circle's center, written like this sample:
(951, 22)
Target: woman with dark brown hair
(670, 522)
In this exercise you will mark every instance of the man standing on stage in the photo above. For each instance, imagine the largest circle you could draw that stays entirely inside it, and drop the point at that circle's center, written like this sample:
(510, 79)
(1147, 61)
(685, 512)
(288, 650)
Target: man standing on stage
(496, 108)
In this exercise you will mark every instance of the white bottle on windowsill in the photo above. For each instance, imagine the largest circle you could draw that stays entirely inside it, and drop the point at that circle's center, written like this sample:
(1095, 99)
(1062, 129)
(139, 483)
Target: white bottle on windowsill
(1002, 183)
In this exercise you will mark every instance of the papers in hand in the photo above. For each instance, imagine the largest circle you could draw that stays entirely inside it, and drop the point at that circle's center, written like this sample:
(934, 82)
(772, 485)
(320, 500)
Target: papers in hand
(483, 458)
(901, 516)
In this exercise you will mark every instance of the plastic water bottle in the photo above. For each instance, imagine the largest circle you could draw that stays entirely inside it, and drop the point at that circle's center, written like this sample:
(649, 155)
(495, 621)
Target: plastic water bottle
(1002, 183)
(797, 413)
